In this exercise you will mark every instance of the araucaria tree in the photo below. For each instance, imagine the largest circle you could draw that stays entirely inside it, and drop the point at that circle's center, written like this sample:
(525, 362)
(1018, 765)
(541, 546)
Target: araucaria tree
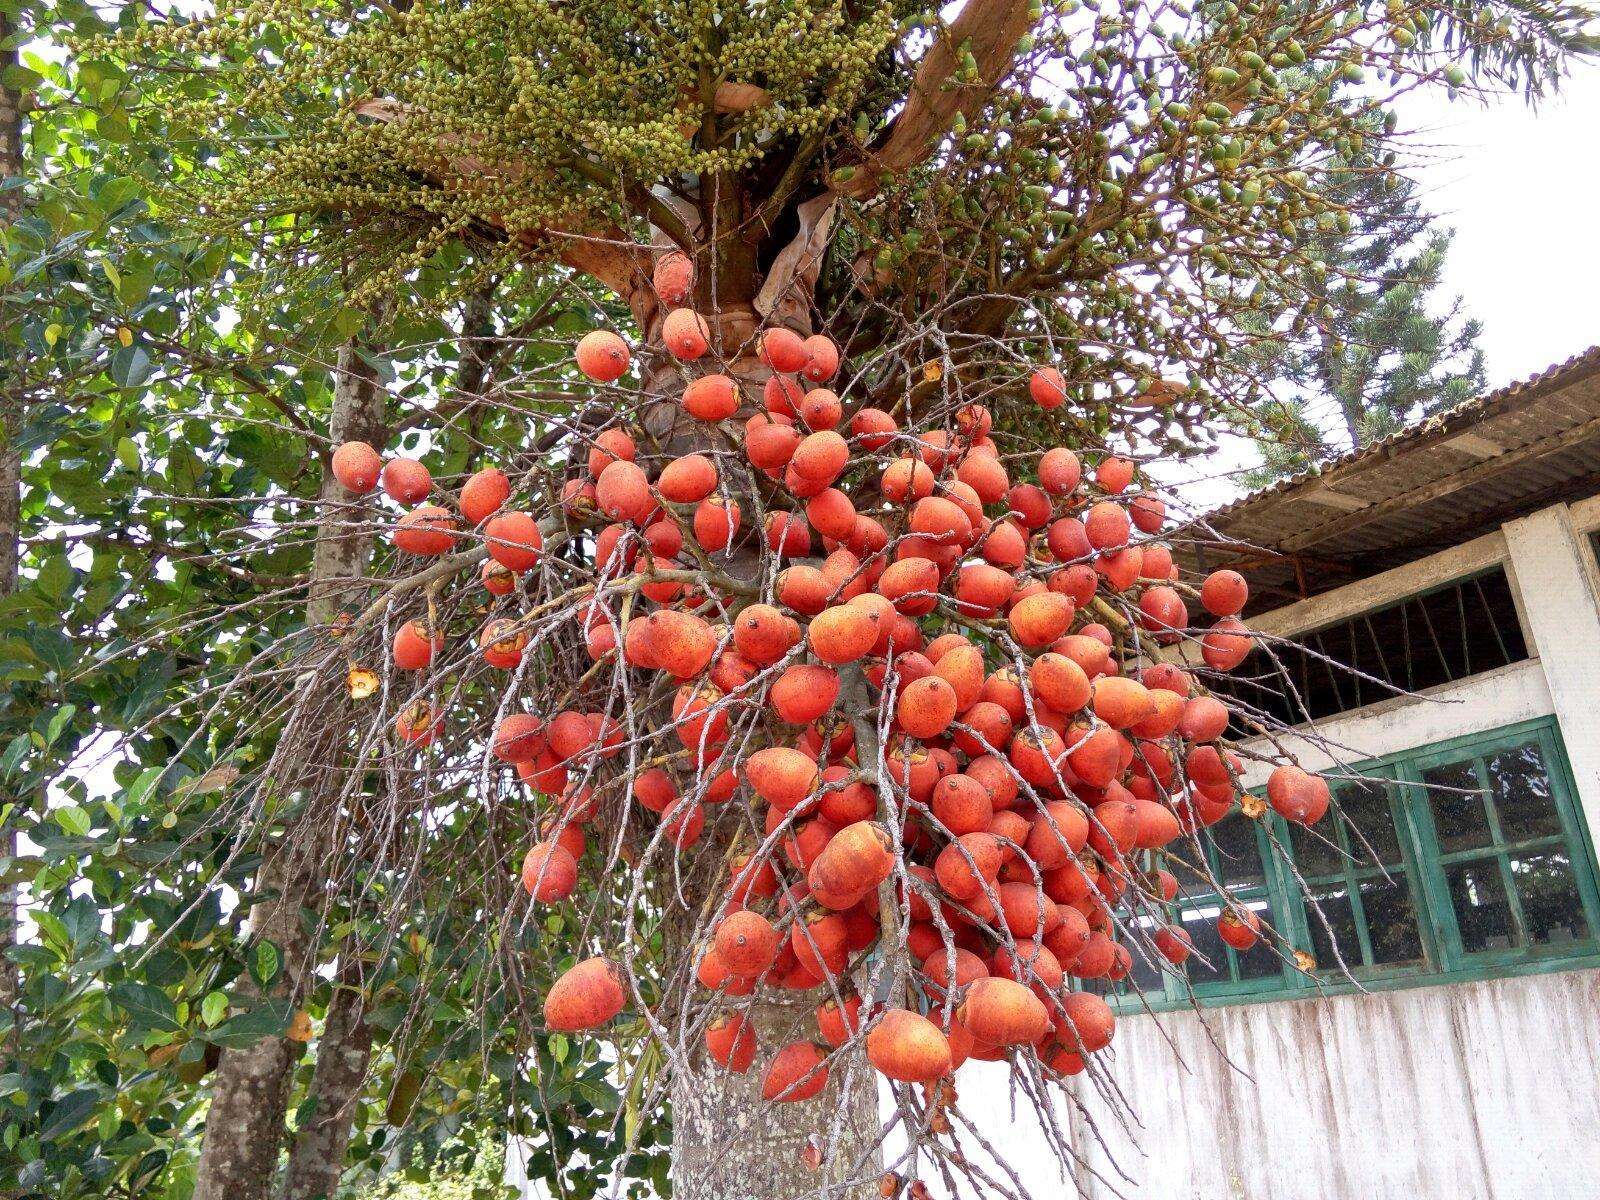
(808, 634)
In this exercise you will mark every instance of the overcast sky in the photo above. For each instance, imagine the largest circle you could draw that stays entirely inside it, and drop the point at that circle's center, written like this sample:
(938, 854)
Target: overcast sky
(1521, 187)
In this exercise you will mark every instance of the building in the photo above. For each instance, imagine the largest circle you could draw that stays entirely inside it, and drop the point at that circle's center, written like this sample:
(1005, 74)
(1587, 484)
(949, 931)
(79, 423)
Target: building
(1453, 565)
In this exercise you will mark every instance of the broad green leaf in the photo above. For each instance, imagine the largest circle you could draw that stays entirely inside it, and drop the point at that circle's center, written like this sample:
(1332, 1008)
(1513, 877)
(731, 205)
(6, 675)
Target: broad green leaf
(149, 1007)
(213, 1008)
(73, 820)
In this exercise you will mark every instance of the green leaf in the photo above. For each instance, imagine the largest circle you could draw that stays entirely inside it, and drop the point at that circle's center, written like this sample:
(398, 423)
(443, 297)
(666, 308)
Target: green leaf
(128, 454)
(130, 366)
(68, 1113)
(149, 1007)
(73, 820)
(267, 1020)
(264, 965)
(213, 1008)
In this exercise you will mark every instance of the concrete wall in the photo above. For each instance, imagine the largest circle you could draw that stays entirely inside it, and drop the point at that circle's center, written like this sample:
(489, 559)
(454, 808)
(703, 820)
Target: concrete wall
(1473, 1091)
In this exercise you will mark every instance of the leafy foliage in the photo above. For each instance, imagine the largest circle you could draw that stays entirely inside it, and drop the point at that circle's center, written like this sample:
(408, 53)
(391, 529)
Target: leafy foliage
(209, 219)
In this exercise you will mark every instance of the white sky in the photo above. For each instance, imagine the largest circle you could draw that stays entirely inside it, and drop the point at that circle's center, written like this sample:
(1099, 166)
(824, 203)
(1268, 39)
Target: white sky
(1519, 186)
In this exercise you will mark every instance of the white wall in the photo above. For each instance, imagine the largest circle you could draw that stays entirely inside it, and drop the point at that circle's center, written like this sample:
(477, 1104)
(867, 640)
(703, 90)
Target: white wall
(1466, 1091)
(1454, 1092)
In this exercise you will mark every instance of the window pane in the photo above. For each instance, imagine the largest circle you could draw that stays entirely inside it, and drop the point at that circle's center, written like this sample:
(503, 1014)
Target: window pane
(1549, 894)
(1334, 907)
(1316, 849)
(1201, 925)
(1146, 974)
(1366, 809)
(1238, 856)
(1457, 800)
(1261, 961)
(1479, 899)
(1391, 920)
(1522, 793)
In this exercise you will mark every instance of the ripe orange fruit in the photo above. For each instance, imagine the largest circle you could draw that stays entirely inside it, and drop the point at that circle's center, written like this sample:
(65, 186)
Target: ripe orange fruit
(822, 358)
(788, 536)
(1059, 471)
(804, 692)
(908, 1047)
(1121, 702)
(1226, 644)
(821, 410)
(609, 446)
(602, 356)
(426, 530)
(406, 480)
(962, 805)
(711, 398)
(356, 466)
(842, 634)
(1106, 525)
(763, 634)
(514, 540)
(484, 493)
(502, 643)
(1001, 1012)
(926, 707)
(798, 1072)
(781, 776)
(1297, 795)
(413, 649)
(906, 478)
(1224, 593)
(1040, 619)
(680, 643)
(781, 395)
(873, 428)
(716, 523)
(586, 996)
(549, 872)
(855, 860)
(1114, 474)
(771, 444)
(1047, 387)
(623, 492)
(731, 1042)
(747, 942)
(1089, 1021)
(673, 277)
(784, 350)
(688, 479)
(820, 457)
(685, 335)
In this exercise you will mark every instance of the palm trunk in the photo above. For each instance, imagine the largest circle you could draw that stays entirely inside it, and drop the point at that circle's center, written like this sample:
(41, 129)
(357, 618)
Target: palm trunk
(727, 1142)
(250, 1091)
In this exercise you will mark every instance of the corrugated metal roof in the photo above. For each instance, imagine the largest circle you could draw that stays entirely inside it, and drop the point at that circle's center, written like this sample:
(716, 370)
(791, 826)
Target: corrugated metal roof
(1433, 484)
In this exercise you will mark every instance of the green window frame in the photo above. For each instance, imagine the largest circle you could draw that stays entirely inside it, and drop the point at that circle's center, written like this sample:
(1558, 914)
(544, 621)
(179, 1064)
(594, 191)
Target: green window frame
(1507, 868)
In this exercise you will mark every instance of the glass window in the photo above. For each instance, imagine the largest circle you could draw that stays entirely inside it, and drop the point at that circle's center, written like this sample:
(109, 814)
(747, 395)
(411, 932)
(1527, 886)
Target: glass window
(1503, 827)
(1459, 630)
(1360, 912)
(1444, 861)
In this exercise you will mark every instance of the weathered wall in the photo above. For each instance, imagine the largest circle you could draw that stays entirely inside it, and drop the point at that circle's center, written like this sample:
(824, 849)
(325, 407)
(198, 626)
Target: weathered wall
(1478, 1091)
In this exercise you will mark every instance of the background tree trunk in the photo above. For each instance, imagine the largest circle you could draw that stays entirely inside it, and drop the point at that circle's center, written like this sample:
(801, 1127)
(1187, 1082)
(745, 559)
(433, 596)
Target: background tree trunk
(344, 1049)
(730, 1144)
(250, 1091)
(10, 487)
(343, 1053)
